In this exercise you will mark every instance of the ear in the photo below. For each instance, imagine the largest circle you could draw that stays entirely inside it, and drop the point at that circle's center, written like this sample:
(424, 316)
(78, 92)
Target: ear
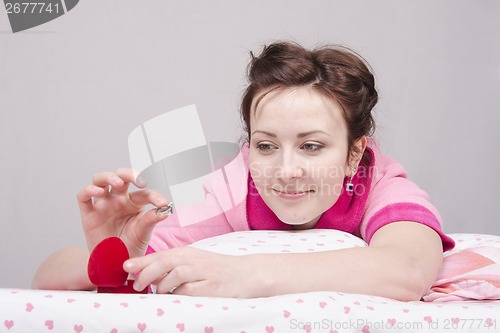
(358, 148)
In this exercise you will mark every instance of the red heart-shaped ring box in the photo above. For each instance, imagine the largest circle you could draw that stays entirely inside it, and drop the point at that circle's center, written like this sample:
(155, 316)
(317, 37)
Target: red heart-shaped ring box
(105, 268)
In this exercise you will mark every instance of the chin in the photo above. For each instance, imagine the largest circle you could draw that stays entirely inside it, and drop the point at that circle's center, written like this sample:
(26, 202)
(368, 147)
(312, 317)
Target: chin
(303, 226)
(293, 223)
(298, 222)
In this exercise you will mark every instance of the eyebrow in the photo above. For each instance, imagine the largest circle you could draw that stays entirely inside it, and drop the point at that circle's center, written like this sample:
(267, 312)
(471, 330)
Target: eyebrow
(299, 135)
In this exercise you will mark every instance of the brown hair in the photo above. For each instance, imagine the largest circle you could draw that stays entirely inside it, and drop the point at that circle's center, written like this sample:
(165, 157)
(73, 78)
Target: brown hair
(334, 70)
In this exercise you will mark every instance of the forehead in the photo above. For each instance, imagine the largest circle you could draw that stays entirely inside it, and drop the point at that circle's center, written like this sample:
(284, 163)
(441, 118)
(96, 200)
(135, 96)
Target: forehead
(295, 106)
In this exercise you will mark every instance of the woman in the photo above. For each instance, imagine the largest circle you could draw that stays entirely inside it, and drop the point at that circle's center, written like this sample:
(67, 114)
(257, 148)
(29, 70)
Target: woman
(309, 163)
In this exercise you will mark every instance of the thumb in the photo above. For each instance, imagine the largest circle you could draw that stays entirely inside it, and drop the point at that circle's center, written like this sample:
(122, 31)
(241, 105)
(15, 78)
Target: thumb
(153, 216)
(145, 224)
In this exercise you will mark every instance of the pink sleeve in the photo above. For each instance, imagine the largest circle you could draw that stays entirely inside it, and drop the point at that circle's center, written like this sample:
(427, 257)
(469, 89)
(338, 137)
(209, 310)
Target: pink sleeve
(394, 198)
(172, 233)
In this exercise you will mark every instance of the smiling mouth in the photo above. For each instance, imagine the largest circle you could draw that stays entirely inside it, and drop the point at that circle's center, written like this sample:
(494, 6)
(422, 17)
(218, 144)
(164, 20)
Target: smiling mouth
(292, 194)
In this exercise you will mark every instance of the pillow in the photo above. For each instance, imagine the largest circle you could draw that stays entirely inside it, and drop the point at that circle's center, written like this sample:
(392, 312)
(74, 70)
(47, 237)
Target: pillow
(467, 241)
(470, 271)
(271, 241)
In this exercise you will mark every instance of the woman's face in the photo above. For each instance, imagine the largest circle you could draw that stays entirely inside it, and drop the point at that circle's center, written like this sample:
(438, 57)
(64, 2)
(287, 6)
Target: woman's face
(298, 153)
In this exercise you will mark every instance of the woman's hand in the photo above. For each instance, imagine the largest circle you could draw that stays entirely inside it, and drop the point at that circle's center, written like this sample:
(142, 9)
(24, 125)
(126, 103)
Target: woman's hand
(109, 209)
(195, 272)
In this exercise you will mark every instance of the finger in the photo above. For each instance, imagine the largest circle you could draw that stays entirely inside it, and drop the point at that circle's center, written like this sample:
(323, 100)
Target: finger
(155, 266)
(180, 277)
(119, 181)
(147, 222)
(86, 194)
(136, 265)
(149, 268)
(131, 176)
(196, 288)
(84, 197)
(147, 196)
(109, 179)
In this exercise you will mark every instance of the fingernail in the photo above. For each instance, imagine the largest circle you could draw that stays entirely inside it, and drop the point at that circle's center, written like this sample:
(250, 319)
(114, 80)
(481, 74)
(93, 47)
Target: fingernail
(116, 181)
(141, 181)
(129, 265)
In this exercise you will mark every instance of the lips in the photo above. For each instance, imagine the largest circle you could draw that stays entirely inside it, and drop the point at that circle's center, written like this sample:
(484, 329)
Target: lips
(291, 194)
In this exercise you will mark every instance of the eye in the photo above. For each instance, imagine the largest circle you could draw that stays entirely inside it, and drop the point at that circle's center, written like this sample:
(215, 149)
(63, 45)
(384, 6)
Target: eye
(312, 147)
(265, 147)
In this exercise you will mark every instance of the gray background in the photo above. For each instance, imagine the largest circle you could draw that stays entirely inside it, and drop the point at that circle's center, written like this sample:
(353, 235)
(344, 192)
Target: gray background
(72, 90)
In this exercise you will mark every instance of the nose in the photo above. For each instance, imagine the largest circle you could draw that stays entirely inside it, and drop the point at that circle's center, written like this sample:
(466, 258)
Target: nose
(290, 168)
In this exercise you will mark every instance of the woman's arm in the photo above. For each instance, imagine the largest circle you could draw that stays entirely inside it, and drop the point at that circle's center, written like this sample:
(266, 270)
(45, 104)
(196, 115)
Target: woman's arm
(65, 269)
(402, 262)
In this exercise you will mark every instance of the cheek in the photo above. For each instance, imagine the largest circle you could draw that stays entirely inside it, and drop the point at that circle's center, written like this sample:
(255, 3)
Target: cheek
(328, 179)
(330, 189)
(257, 169)
(328, 169)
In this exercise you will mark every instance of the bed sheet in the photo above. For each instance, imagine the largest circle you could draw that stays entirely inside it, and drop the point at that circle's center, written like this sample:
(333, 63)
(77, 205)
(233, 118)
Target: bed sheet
(23, 310)
(63, 311)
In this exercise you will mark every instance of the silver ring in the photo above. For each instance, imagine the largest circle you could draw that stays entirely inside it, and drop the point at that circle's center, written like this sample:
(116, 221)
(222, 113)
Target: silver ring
(165, 210)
